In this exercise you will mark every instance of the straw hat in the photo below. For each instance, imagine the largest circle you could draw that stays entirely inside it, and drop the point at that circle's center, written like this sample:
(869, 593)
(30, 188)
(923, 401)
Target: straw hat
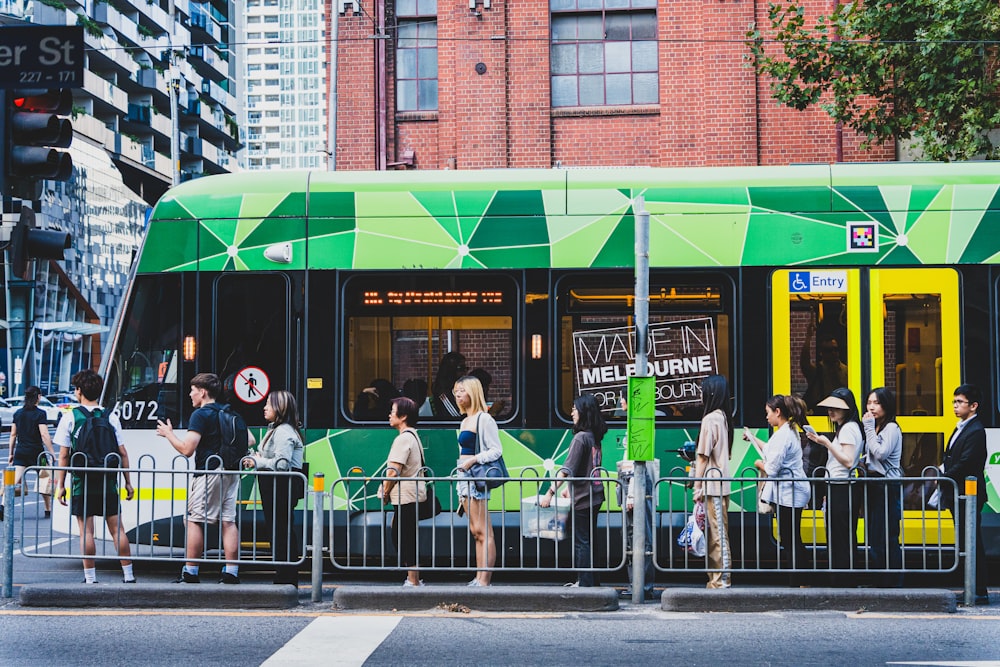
(833, 402)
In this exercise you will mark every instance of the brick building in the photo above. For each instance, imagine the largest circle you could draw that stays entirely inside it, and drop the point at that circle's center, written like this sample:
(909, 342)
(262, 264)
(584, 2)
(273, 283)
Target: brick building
(535, 83)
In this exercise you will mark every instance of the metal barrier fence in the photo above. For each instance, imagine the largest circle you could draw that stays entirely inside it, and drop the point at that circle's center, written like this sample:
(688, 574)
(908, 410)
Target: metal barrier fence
(523, 535)
(153, 521)
(838, 527)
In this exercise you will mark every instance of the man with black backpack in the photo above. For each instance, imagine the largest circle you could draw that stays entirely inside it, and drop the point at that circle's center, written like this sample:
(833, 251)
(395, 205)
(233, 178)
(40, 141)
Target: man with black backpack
(212, 496)
(91, 437)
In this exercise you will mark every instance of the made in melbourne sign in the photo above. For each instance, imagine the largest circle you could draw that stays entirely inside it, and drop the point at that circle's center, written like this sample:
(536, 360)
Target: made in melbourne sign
(680, 355)
(45, 56)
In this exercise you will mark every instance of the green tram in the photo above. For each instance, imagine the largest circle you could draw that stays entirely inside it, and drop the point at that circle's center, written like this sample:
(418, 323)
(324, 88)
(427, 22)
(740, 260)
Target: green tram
(323, 282)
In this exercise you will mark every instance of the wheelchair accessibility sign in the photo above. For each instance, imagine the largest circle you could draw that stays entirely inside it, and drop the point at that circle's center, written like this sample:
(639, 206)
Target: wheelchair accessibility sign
(817, 282)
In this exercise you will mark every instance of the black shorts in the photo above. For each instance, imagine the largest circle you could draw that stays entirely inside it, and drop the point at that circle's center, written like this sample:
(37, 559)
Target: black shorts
(26, 455)
(99, 497)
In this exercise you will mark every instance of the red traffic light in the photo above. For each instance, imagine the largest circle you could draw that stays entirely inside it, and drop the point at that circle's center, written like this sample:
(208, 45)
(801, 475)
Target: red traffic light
(58, 101)
(34, 130)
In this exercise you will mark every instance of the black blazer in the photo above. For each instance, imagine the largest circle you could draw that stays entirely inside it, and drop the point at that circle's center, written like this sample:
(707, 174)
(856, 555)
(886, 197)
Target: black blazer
(966, 457)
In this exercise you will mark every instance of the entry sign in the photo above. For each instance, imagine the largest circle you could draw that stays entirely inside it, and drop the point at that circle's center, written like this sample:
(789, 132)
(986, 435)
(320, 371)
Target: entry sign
(44, 56)
(641, 417)
(817, 282)
(251, 385)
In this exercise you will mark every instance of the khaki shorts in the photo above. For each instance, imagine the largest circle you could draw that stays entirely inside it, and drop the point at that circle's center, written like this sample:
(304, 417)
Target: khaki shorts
(212, 497)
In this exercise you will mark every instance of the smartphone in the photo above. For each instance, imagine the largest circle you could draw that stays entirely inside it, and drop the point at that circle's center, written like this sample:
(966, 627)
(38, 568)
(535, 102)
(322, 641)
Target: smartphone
(809, 429)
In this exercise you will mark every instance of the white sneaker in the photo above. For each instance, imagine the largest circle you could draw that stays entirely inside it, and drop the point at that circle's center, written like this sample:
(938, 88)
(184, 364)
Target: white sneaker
(474, 582)
(409, 584)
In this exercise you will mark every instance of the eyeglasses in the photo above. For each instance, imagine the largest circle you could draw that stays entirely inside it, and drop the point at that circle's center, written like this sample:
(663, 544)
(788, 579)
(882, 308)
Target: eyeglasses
(958, 401)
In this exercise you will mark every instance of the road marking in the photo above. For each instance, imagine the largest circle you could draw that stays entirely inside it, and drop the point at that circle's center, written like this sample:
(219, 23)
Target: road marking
(957, 663)
(347, 640)
(44, 545)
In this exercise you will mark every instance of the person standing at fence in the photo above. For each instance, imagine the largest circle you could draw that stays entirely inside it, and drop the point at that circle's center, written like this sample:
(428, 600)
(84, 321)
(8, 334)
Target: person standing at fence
(29, 437)
(211, 496)
(785, 486)
(406, 459)
(884, 507)
(713, 461)
(843, 506)
(281, 450)
(583, 462)
(93, 494)
(965, 456)
(477, 427)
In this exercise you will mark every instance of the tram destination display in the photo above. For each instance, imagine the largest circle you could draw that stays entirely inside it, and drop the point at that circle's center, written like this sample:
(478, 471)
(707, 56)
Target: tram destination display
(680, 354)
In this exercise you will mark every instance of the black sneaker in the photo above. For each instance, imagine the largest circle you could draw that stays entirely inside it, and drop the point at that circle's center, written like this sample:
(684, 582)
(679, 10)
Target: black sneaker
(227, 578)
(128, 581)
(187, 578)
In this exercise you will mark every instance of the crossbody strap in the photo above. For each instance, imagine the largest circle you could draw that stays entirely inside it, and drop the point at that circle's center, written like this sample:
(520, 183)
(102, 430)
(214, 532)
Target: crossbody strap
(421, 448)
(479, 443)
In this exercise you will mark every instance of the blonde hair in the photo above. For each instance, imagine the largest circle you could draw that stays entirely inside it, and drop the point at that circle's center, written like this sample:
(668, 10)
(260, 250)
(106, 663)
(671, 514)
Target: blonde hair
(474, 388)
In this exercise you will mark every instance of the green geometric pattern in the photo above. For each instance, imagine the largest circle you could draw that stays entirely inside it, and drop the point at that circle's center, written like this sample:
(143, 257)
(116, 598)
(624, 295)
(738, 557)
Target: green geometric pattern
(751, 216)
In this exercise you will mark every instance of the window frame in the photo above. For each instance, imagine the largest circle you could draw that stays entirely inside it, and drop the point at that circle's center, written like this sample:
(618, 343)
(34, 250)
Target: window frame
(419, 16)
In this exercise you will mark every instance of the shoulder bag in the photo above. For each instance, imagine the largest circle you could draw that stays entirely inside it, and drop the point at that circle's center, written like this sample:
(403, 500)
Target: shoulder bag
(488, 475)
(430, 506)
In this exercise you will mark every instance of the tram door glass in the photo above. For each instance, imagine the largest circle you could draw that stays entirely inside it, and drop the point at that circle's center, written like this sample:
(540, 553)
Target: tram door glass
(252, 339)
(143, 377)
(690, 337)
(915, 315)
(415, 334)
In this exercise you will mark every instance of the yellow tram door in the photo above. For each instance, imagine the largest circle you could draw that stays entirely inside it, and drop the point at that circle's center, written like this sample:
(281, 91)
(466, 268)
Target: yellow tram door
(816, 346)
(914, 313)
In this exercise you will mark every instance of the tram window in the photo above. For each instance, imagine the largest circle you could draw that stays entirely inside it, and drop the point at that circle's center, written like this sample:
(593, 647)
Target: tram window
(251, 327)
(690, 338)
(417, 334)
(913, 352)
(143, 378)
(818, 343)
(920, 452)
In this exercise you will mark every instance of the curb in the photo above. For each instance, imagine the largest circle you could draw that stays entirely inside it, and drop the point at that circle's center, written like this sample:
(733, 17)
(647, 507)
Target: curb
(742, 600)
(493, 598)
(160, 596)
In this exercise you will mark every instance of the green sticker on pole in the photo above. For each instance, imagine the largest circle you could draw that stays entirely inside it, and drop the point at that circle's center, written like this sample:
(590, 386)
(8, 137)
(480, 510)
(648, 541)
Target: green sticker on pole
(641, 418)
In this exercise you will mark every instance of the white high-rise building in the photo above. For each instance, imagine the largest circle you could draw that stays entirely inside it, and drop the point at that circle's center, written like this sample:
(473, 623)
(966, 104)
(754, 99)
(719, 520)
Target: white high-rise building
(285, 105)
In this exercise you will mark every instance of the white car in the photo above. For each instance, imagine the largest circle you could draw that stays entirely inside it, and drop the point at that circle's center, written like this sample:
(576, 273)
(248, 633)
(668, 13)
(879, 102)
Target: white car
(6, 414)
(52, 413)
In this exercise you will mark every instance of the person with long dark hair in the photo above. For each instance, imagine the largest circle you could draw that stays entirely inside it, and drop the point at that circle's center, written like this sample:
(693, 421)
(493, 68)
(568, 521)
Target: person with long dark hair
(714, 452)
(582, 462)
(884, 504)
(281, 450)
(442, 399)
(406, 459)
(842, 506)
(29, 437)
(785, 488)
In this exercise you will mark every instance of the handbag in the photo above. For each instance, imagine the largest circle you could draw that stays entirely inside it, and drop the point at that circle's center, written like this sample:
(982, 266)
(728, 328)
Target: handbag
(430, 506)
(763, 506)
(692, 536)
(488, 475)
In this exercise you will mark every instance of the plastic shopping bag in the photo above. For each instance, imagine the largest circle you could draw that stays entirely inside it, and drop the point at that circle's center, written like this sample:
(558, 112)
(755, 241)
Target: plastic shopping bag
(692, 536)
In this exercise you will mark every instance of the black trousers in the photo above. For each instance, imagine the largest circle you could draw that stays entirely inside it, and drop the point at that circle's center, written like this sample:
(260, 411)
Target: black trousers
(584, 529)
(279, 502)
(404, 532)
(793, 553)
(883, 513)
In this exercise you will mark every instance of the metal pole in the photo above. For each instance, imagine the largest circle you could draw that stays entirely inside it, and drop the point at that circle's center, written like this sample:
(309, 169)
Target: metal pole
(8, 532)
(971, 508)
(317, 538)
(641, 370)
(173, 81)
(331, 130)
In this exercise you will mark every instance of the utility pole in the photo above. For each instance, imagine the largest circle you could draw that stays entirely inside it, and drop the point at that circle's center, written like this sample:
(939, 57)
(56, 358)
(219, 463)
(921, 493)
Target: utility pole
(173, 82)
(637, 412)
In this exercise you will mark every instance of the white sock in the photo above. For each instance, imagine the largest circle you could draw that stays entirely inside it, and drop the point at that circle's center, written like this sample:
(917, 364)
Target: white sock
(127, 572)
(233, 570)
(90, 575)
(191, 569)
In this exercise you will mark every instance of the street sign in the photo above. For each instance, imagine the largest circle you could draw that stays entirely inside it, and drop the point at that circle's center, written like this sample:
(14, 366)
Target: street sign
(251, 385)
(43, 56)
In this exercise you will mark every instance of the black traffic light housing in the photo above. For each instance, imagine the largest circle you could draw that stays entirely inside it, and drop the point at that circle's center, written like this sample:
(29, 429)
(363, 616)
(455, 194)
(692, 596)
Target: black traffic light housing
(26, 243)
(33, 131)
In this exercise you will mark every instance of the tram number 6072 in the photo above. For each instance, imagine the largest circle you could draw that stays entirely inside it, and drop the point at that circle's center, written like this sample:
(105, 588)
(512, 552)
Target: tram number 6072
(129, 411)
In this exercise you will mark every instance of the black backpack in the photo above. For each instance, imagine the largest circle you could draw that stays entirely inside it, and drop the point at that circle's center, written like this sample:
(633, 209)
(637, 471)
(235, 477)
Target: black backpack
(234, 438)
(96, 439)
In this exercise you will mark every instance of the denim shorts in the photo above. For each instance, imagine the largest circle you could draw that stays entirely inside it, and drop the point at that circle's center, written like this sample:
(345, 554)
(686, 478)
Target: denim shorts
(469, 489)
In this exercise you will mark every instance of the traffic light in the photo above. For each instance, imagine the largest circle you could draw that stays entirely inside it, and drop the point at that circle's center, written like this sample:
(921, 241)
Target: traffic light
(26, 243)
(33, 131)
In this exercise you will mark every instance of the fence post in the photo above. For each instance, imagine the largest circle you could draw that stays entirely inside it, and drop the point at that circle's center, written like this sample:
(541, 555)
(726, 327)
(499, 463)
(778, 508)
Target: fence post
(317, 537)
(8, 532)
(971, 508)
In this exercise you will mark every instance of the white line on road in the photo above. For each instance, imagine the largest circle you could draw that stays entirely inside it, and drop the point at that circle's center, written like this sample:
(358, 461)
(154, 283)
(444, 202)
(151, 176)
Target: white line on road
(343, 640)
(44, 545)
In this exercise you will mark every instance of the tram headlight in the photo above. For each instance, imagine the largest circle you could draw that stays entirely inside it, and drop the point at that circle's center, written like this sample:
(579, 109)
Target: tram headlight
(190, 348)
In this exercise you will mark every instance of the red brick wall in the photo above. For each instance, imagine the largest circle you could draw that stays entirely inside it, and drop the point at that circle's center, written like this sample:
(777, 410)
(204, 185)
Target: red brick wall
(712, 108)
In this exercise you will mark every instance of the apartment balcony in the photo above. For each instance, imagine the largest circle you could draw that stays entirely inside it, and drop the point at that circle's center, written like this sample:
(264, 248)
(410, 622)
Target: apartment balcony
(218, 94)
(107, 96)
(208, 63)
(95, 130)
(204, 28)
(156, 17)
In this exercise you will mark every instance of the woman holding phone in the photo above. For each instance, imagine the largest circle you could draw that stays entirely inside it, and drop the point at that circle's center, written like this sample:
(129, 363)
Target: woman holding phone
(785, 488)
(842, 509)
(884, 506)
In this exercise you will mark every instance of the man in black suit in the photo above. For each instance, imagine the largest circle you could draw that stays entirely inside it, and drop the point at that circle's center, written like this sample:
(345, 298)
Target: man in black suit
(965, 456)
